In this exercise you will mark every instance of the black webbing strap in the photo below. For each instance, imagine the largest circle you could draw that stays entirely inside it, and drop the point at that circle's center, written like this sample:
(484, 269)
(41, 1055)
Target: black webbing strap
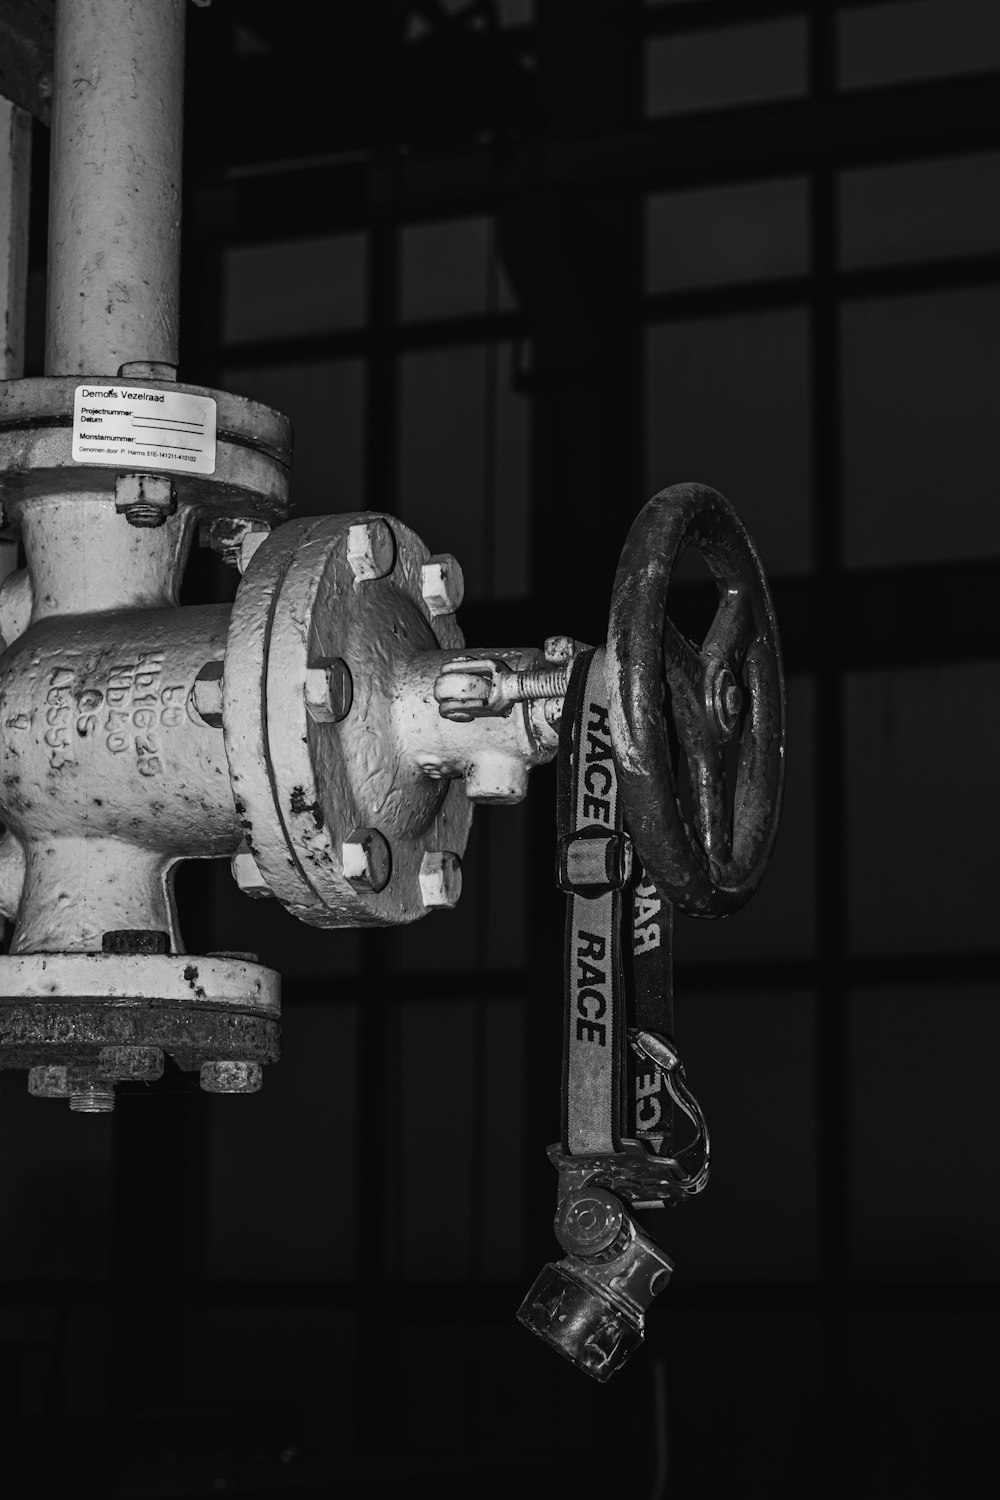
(594, 863)
(621, 1076)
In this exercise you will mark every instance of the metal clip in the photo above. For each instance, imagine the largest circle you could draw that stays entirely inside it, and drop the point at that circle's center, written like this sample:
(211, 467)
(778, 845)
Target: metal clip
(593, 863)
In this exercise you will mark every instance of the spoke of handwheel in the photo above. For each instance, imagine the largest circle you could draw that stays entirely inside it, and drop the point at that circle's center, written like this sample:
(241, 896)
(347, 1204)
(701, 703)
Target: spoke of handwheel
(711, 801)
(732, 629)
(684, 666)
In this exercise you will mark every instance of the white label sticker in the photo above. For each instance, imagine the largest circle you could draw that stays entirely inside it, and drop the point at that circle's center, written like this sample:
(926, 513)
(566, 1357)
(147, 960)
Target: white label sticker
(128, 424)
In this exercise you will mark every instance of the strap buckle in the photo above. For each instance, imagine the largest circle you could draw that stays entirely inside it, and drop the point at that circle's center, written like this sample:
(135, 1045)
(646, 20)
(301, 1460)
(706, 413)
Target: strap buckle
(592, 863)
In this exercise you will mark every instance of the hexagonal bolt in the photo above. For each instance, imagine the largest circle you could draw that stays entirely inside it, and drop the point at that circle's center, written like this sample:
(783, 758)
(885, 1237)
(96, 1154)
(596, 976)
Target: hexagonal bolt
(231, 1077)
(560, 648)
(329, 691)
(367, 860)
(137, 1064)
(206, 695)
(226, 536)
(48, 1081)
(442, 584)
(251, 545)
(492, 777)
(97, 1098)
(371, 549)
(440, 880)
(145, 499)
(246, 873)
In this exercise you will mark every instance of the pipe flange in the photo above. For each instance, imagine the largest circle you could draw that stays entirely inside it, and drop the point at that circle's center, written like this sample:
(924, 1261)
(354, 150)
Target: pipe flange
(67, 1009)
(252, 456)
(336, 815)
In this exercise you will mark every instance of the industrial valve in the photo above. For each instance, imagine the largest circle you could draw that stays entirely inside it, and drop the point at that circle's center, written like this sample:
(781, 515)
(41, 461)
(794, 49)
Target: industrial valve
(307, 733)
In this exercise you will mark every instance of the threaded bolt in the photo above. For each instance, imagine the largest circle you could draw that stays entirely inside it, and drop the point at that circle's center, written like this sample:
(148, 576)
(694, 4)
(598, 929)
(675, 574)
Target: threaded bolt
(92, 1099)
(542, 682)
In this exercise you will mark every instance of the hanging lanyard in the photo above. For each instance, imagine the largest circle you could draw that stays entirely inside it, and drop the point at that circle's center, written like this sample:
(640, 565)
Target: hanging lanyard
(620, 1071)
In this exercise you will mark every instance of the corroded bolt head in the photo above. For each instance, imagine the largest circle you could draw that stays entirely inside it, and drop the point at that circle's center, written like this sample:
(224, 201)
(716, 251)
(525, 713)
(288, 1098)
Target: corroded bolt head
(371, 549)
(442, 584)
(231, 1077)
(246, 873)
(140, 1064)
(226, 535)
(726, 702)
(440, 880)
(367, 860)
(48, 1081)
(560, 648)
(206, 695)
(589, 1222)
(329, 691)
(145, 499)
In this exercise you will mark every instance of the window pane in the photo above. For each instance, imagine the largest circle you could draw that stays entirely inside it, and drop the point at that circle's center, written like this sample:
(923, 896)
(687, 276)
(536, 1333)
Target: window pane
(919, 392)
(780, 921)
(297, 286)
(924, 1417)
(920, 211)
(487, 928)
(753, 1110)
(925, 39)
(712, 236)
(925, 1133)
(463, 474)
(325, 402)
(269, 1213)
(734, 65)
(921, 867)
(451, 269)
(728, 405)
(457, 1080)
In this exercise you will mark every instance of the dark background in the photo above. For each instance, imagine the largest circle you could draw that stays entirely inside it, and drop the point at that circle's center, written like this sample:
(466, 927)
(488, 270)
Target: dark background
(510, 268)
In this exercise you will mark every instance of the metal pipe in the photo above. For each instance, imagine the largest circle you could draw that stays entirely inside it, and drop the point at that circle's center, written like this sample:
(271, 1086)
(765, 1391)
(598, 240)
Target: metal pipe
(115, 187)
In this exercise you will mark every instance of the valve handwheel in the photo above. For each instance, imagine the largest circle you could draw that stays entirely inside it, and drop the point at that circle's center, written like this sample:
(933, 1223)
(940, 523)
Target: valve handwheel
(731, 688)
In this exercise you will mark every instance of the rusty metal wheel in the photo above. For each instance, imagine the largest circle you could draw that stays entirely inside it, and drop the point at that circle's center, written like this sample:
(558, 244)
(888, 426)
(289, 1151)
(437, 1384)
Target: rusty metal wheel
(671, 700)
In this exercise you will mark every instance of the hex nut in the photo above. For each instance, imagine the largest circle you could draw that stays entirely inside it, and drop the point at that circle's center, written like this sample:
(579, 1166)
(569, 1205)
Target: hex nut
(440, 880)
(206, 694)
(493, 777)
(138, 1064)
(329, 691)
(251, 544)
(48, 1081)
(145, 500)
(246, 873)
(560, 648)
(442, 584)
(231, 1077)
(371, 549)
(367, 860)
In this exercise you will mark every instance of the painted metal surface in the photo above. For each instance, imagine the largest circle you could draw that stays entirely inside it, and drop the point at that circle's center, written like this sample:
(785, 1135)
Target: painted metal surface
(115, 186)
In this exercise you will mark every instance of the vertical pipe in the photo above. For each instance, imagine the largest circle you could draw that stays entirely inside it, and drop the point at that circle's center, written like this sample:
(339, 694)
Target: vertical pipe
(115, 188)
(15, 192)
